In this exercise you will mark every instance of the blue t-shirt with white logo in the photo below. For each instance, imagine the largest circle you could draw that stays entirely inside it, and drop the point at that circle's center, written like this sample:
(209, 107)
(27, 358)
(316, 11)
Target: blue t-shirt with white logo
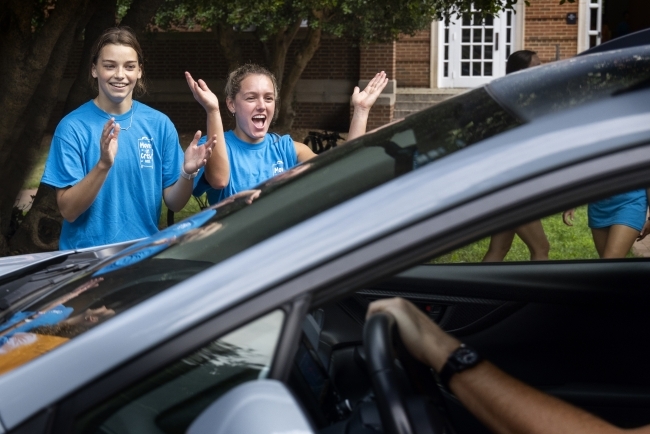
(148, 160)
(250, 164)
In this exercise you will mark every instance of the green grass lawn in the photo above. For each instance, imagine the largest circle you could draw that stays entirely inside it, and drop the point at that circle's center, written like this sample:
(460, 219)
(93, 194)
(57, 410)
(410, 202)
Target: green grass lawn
(566, 243)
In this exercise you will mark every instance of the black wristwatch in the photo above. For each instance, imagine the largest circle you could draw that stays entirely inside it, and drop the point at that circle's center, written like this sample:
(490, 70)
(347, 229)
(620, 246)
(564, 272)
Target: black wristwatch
(462, 358)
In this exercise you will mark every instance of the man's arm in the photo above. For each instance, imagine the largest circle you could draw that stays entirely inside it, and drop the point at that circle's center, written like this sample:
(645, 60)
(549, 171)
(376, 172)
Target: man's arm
(74, 201)
(217, 169)
(503, 403)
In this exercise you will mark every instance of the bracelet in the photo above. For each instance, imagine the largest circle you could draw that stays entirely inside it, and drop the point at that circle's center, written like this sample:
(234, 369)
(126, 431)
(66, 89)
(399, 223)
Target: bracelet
(188, 176)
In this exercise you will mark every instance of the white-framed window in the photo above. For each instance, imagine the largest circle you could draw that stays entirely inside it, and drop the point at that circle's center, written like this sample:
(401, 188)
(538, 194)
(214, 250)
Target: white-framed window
(473, 50)
(590, 21)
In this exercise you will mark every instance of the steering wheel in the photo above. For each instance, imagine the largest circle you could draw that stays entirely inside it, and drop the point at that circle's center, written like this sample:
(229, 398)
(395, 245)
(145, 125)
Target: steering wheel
(402, 410)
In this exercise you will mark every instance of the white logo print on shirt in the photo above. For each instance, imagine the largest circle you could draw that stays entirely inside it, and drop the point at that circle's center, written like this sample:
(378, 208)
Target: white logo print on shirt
(146, 152)
(278, 167)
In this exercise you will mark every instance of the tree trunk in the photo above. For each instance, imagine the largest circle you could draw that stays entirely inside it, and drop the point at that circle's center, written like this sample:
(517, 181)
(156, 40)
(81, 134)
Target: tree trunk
(41, 227)
(27, 96)
(304, 55)
(279, 47)
(25, 57)
(227, 38)
(102, 18)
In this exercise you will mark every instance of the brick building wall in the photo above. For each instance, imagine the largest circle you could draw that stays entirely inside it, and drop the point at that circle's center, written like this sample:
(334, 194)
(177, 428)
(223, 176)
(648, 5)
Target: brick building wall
(413, 67)
(547, 32)
(377, 57)
(169, 55)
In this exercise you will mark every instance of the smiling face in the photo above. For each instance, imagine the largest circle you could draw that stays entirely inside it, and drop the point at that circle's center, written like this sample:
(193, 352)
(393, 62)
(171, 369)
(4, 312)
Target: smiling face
(117, 71)
(253, 106)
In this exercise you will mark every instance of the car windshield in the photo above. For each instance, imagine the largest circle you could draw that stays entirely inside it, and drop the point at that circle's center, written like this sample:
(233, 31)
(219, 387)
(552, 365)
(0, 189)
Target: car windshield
(94, 294)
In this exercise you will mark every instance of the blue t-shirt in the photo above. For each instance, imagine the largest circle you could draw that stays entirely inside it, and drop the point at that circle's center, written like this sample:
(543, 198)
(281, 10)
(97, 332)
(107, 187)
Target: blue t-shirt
(148, 160)
(250, 164)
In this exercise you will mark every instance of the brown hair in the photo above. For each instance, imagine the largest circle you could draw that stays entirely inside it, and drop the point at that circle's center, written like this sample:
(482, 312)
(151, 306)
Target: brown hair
(233, 83)
(118, 36)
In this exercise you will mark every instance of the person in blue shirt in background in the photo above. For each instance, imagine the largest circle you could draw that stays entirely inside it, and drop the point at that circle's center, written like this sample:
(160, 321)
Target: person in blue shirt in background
(108, 196)
(248, 155)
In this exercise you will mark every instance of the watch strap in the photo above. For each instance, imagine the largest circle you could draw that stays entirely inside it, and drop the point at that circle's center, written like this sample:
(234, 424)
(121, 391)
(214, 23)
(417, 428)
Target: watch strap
(462, 358)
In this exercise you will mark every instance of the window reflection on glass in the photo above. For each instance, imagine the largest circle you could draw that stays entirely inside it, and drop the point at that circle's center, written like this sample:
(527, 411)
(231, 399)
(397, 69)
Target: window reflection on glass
(168, 401)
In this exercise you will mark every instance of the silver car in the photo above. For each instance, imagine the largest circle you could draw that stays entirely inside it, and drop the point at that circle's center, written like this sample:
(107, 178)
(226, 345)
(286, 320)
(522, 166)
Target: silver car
(248, 317)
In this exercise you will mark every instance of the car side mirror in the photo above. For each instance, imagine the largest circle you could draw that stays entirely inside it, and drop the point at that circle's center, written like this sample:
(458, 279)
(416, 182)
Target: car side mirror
(256, 407)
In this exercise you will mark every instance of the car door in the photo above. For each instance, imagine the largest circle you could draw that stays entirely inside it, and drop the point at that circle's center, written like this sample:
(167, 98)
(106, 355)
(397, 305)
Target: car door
(576, 329)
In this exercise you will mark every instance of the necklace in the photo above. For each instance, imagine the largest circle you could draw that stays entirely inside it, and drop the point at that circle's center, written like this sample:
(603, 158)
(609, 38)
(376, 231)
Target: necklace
(109, 117)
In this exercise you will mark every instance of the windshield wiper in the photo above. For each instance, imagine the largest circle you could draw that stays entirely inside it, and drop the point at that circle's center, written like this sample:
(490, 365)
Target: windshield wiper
(25, 289)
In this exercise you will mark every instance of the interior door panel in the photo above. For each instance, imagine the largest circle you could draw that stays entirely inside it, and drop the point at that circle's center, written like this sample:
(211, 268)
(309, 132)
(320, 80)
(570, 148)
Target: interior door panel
(578, 330)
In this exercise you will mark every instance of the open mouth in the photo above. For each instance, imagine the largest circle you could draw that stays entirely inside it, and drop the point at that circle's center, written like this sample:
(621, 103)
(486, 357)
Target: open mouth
(119, 85)
(259, 121)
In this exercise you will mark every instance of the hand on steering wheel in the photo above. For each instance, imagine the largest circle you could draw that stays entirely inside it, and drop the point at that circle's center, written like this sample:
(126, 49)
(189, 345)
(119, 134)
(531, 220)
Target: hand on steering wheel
(402, 410)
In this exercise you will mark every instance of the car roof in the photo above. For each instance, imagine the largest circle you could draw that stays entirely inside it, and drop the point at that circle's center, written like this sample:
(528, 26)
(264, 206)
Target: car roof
(641, 37)
(534, 148)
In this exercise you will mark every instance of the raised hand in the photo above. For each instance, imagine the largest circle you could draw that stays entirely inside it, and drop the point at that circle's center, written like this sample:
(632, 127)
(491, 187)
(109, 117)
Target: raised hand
(197, 156)
(366, 98)
(202, 93)
(108, 144)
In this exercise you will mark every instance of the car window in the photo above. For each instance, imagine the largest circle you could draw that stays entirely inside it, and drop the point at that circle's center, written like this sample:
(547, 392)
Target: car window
(550, 238)
(168, 401)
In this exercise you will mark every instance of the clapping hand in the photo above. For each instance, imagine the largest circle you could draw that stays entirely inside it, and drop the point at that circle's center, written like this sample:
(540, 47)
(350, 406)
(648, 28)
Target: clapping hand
(197, 156)
(108, 143)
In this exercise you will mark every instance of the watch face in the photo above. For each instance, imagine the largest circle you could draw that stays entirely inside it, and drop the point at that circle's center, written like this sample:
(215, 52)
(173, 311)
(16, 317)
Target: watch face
(466, 356)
